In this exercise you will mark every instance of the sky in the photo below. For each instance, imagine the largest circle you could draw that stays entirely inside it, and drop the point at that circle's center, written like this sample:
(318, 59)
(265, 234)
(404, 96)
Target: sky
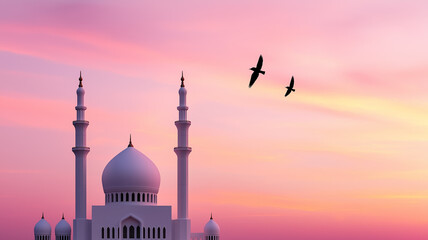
(342, 157)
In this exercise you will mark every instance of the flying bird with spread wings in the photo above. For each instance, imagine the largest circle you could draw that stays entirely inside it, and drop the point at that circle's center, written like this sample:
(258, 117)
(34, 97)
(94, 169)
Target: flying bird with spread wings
(290, 88)
(256, 71)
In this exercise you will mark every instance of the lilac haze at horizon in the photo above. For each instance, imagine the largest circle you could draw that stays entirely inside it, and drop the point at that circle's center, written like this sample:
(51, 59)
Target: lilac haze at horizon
(343, 157)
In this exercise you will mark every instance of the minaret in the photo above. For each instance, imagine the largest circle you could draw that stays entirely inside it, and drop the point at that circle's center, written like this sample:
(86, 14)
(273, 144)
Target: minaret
(81, 225)
(182, 150)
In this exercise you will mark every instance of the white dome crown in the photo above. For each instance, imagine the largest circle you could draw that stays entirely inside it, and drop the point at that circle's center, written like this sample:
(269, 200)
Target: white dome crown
(42, 227)
(131, 171)
(211, 228)
(62, 228)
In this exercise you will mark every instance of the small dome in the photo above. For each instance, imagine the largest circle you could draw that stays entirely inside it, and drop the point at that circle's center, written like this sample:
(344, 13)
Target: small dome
(63, 228)
(131, 171)
(42, 227)
(212, 228)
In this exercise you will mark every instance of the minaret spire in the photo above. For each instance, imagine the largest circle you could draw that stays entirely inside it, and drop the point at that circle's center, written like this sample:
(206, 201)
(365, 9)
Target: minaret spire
(43, 215)
(211, 216)
(182, 79)
(80, 80)
(81, 225)
(182, 150)
(130, 141)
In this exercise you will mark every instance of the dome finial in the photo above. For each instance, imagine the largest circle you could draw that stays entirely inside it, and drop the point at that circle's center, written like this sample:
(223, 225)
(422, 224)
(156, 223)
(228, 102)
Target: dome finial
(182, 79)
(130, 141)
(62, 215)
(80, 80)
(43, 215)
(211, 216)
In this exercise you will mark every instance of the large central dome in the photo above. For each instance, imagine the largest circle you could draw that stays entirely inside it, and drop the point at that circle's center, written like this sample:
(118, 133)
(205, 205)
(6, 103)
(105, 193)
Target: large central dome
(131, 171)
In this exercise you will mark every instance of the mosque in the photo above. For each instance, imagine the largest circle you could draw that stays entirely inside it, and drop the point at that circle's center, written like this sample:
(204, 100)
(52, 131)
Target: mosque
(131, 183)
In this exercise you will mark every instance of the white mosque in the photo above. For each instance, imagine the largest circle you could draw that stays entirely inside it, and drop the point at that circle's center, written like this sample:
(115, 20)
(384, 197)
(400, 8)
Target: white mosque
(131, 183)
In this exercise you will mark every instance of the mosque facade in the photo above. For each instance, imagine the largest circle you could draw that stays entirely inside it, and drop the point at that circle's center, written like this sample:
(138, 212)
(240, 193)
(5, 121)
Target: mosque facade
(131, 183)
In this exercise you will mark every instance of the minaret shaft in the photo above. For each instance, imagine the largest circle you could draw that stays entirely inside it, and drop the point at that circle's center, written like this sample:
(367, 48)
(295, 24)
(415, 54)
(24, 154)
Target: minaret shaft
(182, 150)
(81, 224)
(182, 224)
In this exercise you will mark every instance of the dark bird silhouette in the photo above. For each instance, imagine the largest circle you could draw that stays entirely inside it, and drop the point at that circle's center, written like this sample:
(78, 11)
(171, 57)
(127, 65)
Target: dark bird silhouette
(290, 88)
(256, 70)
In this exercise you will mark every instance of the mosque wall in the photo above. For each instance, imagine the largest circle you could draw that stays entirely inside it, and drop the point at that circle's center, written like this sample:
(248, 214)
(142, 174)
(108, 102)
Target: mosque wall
(131, 222)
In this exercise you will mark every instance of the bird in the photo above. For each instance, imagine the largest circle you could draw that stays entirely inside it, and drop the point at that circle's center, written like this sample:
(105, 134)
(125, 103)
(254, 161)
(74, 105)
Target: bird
(256, 70)
(290, 88)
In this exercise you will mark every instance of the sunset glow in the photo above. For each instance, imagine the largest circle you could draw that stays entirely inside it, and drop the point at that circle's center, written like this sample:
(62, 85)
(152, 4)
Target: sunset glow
(342, 157)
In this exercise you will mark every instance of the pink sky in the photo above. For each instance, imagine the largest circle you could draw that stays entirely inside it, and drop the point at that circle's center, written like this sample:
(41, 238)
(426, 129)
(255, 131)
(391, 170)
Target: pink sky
(344, 157)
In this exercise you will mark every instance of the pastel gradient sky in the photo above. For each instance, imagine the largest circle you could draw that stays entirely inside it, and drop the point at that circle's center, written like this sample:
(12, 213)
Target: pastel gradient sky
(344, 157)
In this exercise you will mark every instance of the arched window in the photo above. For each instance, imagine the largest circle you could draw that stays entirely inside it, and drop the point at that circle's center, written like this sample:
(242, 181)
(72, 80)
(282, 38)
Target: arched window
(117, 197)
(108, 232)
(118, 232)
(151, 197)
(131, 232)
(144, 197)
(102, 232)
(148, 232)
(121, 197)
(138, 197)
(112, 197)
(127, 197)
(125, 232)
(144, 232)
(164, 232)
(154, 232)
(148, 198)
(138, 232)
(159, 236)
(112, 232)
(133, 197)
